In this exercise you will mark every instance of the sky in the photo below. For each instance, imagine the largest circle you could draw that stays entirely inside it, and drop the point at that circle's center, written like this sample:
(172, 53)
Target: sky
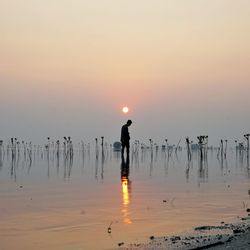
(68, 67)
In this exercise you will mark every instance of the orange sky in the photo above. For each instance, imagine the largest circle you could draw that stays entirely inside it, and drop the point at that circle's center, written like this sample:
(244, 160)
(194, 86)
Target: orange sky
(69, 66)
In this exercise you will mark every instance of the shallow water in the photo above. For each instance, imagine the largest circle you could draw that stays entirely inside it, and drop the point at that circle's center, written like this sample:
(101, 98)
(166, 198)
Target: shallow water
(96, 201)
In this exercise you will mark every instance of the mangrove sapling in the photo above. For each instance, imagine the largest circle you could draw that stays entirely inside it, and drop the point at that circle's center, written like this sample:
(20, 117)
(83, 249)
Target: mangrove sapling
(57, 148)
(247, 138)
(202, 141)
(1, 154)
(166, 140)
(96, 148)
(151, 144)
(102, 141)
(109, 227)
(225, 152)
(188, 148)
(222, 148)
(177, 146)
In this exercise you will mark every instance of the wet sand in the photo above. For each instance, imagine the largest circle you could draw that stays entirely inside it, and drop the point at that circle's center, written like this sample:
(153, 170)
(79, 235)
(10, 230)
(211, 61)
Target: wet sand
(218, 237)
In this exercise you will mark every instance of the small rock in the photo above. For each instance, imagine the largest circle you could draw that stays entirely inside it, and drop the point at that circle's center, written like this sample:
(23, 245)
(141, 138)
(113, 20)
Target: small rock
(22, 187)
(230, 239)
(248, 210)
(120, 244)
(237, 231)
(175, 238)
(164, 200)
(151, 237)
(246, 218)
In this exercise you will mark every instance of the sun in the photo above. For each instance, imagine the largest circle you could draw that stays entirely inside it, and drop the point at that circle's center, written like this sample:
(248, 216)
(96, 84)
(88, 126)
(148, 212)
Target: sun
(125, 110)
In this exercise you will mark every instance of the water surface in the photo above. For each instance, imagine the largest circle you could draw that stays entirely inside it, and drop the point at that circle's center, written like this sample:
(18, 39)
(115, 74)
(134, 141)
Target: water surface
(96, 200)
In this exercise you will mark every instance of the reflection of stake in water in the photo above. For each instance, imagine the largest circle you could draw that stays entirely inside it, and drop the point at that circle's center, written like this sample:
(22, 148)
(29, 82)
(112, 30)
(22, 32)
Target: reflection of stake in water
(166, 162)
(1, 154)
(151, 163)
(202, 158)
(82, 154)
(96, 157)
(247, 148)
(126, 190)
(102, 166)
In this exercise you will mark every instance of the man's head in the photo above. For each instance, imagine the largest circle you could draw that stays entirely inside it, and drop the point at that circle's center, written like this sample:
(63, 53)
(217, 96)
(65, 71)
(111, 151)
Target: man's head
(129, 122)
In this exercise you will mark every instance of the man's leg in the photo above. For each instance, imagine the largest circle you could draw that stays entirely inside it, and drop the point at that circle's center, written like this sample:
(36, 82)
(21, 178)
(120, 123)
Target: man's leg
(123, 147)
(127, 147)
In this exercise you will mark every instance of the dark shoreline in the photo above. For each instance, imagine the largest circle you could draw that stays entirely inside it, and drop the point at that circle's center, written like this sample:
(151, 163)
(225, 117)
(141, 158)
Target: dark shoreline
(224, 236)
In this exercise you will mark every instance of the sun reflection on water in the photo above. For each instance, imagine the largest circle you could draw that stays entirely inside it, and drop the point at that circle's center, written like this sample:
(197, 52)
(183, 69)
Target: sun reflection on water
(126, 190)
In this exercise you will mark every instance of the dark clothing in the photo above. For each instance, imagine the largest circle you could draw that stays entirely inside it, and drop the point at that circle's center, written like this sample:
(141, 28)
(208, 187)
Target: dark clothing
(125, 138)
(125, 134)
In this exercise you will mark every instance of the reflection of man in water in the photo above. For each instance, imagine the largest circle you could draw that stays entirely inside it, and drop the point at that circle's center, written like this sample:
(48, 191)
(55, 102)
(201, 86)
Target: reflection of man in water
(125, 137)
(125, 168)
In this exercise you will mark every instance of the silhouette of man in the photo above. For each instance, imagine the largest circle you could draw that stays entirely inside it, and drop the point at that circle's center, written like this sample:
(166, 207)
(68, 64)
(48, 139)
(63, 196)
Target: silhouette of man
(125, 137)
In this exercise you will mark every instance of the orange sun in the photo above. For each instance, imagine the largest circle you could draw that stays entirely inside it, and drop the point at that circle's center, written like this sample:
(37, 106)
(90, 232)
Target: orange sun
(125, 110)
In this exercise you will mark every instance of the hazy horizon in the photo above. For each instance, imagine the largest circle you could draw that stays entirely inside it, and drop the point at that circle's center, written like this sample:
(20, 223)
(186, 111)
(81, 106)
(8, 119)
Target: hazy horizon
(68, 68)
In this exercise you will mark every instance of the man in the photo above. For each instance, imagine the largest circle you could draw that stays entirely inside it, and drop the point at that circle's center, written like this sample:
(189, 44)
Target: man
(125, 137)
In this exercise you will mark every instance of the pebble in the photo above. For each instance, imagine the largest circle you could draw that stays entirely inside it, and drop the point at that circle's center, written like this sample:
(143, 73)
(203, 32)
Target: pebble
(237, 231)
